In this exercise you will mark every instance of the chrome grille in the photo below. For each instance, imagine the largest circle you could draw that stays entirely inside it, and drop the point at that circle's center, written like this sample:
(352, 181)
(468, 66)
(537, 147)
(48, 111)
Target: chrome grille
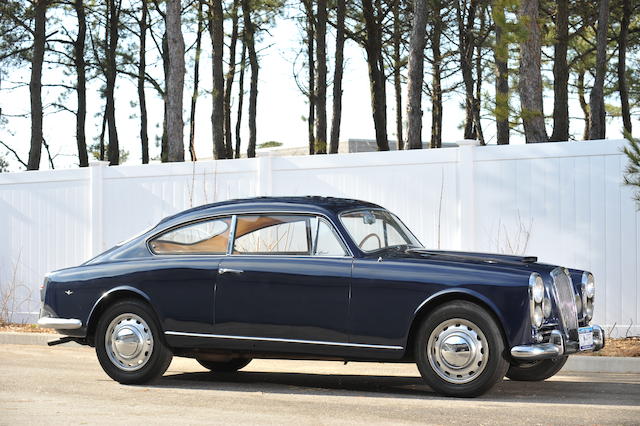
(565, 299)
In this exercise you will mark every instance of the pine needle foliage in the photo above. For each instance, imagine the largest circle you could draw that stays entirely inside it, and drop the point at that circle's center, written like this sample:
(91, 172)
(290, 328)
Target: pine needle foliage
(632, 172)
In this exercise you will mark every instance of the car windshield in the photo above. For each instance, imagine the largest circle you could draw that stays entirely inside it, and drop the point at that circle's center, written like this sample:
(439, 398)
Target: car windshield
(375, 229)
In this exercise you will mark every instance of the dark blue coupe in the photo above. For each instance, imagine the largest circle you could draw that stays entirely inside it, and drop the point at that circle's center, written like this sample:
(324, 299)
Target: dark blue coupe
(318, 278)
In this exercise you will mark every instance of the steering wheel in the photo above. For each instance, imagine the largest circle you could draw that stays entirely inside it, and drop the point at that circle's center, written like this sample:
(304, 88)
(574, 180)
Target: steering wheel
(364, 240)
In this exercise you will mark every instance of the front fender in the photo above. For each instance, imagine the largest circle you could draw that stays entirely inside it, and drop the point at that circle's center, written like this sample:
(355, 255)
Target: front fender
(511, 313)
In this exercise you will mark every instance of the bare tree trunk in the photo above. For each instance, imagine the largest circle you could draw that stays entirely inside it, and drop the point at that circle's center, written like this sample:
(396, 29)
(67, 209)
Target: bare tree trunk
(623, 41)
(596, 100)
(321, 85)
(530, 85)
(249, 30)
(231, 73)
(113, 151)
(436, 80)
(35, 85)
(477, 124)
(142, 70)
(243, 61)
(164, 143)
(583, 105)
(377, 79)
(311, 66)
(397, 65)
(216, 30)
(501, 55)
(81, 86)
(103, 129)
(337, 78)
(416, 75)
(175, 81)
(466, 44)
(196, 83)
(561, 74)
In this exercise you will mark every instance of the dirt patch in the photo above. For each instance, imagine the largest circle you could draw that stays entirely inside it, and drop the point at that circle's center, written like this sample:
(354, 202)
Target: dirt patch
(24, 328)
(629, 346)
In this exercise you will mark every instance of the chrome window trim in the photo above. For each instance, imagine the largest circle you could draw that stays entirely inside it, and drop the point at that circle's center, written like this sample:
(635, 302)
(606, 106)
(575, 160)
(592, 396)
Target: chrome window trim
(280, 340)
(345, 246)
(232, 234)
(343, 241)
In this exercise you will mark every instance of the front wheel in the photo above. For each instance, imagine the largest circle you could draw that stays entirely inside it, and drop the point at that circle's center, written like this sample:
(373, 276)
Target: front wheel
(129, 345)
(230, 366)
(536, 371)
(460, 350)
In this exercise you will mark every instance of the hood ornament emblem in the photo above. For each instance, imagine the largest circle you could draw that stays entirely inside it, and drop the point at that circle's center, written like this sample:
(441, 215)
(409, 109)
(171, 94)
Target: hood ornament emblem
(68, 292)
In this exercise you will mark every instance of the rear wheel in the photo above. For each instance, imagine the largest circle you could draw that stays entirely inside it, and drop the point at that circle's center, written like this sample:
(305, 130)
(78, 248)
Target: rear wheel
(536, 371)
(460, 350)
(230, 366)
(129, 344)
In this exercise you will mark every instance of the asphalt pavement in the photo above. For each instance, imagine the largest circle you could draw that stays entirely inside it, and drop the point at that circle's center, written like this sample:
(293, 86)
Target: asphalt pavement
(65, 385)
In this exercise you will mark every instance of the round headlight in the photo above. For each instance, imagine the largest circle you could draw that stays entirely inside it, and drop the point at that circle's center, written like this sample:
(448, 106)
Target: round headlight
(546, 307)
(578, 303)
(588, 310)
(537, 288)
(537, 316)
(590, 286)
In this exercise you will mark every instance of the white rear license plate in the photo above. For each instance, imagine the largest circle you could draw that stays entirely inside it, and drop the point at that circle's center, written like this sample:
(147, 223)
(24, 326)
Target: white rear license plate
(585, 337)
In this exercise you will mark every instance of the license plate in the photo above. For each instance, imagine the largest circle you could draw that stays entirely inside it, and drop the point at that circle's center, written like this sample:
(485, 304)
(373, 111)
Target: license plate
(585, 337)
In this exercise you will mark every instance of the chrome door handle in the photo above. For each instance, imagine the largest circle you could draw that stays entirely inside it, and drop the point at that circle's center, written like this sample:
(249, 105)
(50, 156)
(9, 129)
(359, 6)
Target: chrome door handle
(232, 271)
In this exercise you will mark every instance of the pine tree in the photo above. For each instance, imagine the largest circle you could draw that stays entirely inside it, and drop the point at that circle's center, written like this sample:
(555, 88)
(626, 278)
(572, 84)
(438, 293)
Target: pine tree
(632, 172)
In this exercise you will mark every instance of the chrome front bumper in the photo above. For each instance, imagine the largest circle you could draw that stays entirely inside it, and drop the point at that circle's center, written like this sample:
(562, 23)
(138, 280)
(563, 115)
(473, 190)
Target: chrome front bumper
(556, 347)
(59, 323)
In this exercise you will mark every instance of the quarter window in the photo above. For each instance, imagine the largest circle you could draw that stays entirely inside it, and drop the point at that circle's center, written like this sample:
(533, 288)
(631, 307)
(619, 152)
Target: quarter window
(325, 240)
(207, 237)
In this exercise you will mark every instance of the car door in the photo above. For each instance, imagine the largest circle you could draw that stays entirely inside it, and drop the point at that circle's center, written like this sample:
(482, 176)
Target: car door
(181, 281)
(286, 282)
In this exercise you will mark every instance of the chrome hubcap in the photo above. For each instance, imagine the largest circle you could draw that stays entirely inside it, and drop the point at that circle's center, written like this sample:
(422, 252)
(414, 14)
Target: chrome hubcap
(457, 350)
(129, 342)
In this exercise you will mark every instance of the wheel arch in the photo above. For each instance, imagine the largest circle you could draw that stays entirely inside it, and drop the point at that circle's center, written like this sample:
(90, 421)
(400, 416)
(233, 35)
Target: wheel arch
(450, 295)
(109, 298)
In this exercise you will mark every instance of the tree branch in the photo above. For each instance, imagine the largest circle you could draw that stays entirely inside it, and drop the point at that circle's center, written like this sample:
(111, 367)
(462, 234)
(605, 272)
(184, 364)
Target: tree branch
(15, 154)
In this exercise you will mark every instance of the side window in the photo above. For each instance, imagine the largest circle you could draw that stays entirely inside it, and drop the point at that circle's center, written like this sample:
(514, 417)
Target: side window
(207, 237)
(325, 240)
(272, 234)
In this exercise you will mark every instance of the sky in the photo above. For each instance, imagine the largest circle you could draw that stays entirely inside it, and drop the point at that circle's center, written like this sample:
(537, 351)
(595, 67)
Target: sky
(281, 105)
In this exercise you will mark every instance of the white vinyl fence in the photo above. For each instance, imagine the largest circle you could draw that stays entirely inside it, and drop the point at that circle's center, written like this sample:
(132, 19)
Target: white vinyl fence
(563, 202)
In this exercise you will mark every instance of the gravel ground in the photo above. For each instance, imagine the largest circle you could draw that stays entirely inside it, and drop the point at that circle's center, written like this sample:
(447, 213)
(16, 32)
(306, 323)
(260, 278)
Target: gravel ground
(65, 385)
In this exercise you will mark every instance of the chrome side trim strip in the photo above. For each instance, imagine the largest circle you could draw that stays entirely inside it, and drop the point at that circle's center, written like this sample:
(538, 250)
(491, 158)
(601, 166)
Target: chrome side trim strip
(60, 323)
(274, 339)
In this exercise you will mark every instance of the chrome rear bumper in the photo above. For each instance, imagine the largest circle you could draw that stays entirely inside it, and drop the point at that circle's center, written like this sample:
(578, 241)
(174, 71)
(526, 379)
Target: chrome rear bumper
(556, 347)
(59, 323)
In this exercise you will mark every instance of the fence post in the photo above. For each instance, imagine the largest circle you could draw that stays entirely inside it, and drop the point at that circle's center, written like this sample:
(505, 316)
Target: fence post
(466, 194)
(96, 190)
(264, 184)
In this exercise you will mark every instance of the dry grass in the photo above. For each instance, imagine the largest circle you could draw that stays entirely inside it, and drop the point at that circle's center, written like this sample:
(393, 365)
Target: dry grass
(24, 328)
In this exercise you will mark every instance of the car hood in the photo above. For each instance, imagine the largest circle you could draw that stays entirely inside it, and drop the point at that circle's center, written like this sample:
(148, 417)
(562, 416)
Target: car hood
(462, 258)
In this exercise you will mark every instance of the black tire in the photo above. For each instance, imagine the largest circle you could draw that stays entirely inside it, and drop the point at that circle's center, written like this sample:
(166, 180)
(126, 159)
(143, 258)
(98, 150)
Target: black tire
(536, 371)
(156, 359)
(492, 366)
(230, 366)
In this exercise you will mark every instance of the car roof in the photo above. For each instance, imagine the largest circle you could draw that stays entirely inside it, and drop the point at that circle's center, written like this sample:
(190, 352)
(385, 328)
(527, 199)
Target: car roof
(244, 205)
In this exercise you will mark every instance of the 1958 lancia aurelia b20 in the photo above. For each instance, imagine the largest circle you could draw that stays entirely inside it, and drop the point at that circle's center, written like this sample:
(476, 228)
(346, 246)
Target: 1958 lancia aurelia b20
(319, 278)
